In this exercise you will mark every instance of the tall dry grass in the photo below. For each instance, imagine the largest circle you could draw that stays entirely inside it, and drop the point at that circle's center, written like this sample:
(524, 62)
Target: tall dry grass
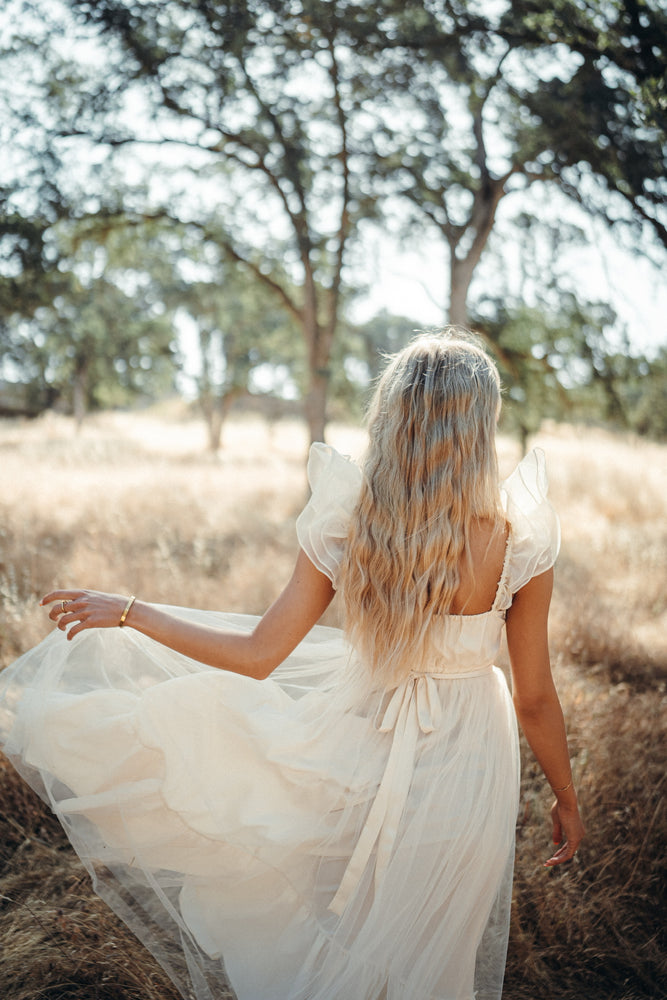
(134, 504)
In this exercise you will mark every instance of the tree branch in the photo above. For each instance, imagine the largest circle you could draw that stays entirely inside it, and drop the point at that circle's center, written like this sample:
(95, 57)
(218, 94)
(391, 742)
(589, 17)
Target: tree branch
(344, 224)
(120, 219)
(266, 279)
(298, 220)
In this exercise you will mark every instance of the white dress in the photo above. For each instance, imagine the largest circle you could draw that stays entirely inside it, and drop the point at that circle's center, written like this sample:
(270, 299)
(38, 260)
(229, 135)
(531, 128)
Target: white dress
(289, 835)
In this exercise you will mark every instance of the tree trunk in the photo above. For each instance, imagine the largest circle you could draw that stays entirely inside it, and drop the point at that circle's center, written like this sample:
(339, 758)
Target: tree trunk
(216, 410)
(79, 395)
(315, 404)
(460, 276)
(214, 422)
(462, 269)
(318, 340)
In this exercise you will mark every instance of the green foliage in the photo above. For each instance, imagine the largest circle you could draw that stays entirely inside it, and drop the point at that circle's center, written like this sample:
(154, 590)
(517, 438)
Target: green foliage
(106, 337)
(359, 357)
(607, 115)
(482, 106)
(561, 356)
(262, 96)
(28, 277)
(643, 392)
(567, 365)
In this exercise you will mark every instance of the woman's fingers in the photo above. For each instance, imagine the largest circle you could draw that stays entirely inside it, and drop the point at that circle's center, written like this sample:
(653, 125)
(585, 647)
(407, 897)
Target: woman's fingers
(68, 608)
(74, 619)
(564, 853)
(68, 618)
(79, 627)
(62, 603)
(61, 595)
(60, 610)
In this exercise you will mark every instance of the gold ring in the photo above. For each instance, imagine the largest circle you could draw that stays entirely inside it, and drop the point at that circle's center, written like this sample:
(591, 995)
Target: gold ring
(62, 605)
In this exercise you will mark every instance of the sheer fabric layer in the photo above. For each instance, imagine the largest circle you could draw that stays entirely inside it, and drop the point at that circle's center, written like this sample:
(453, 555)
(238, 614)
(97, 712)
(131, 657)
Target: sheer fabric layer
(292, 836)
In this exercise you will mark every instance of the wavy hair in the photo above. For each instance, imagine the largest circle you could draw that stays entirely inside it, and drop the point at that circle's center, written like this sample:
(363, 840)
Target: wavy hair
(430, 472)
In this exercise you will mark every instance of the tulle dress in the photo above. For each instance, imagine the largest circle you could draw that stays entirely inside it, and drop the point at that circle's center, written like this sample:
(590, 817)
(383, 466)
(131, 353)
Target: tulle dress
(296, 837)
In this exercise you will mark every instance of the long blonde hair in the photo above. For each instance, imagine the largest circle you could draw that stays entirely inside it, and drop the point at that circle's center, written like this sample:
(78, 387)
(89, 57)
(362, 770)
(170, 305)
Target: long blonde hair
(430, 471)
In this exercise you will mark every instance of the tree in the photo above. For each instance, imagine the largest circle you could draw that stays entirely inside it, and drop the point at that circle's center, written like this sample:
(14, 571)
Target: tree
(539, 354)
(479, 108)
(106, 336)
(240, 329)
(562, 355)
(263, 88)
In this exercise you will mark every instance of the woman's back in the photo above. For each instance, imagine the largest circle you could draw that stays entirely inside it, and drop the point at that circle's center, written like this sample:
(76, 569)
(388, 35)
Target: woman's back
(480, 574)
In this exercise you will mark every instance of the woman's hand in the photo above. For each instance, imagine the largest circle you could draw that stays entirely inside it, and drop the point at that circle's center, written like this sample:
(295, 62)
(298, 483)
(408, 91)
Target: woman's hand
(568, 832)
(83, 609)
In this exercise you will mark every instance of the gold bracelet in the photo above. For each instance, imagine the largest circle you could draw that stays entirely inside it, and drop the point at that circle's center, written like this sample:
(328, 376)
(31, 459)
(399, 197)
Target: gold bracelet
(564, 788)
(126, 611)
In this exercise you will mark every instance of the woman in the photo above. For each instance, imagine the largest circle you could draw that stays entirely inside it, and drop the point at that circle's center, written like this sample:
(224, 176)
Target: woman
(330, 817)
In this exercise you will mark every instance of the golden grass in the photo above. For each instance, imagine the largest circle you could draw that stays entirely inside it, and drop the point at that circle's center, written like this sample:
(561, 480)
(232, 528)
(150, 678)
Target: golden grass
(134, 503)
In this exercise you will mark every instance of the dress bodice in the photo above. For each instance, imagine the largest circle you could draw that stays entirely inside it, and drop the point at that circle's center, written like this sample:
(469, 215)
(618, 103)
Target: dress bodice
(467, 642)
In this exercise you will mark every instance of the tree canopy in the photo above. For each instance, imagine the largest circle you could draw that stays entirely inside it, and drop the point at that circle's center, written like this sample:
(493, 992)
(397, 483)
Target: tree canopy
(479, 108)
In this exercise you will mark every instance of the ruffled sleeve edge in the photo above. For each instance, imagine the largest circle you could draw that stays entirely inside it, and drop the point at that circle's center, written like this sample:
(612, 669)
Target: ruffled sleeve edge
(323, 524)
(535, 526)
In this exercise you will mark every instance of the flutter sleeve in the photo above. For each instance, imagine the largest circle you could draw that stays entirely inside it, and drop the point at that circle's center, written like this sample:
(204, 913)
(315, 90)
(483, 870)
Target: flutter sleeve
(535, 528)
(323, 524)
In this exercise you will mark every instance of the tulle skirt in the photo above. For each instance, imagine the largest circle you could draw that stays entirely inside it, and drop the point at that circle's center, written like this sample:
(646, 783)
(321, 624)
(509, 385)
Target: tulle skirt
(292, 837)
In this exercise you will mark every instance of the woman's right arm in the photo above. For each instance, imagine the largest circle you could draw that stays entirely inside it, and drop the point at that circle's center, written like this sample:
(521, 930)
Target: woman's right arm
(255, 654)
(539, 710)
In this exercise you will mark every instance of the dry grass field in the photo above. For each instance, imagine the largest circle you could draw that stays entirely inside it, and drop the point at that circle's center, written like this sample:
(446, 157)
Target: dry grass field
(134, 503)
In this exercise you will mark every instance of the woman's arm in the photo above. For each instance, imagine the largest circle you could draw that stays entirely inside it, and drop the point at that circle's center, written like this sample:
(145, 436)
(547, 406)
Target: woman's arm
(538, 707)
(290, 617)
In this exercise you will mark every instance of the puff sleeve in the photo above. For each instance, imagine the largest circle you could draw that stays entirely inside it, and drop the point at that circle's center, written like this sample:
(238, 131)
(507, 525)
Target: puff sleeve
(535, 528)
(323, 524)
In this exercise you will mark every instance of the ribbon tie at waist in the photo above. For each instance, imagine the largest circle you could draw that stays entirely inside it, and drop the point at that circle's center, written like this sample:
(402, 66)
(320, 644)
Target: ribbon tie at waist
(414, 707)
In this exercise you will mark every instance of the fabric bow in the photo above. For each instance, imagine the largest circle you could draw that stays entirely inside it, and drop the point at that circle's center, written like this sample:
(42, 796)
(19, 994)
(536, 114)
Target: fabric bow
(414, 707)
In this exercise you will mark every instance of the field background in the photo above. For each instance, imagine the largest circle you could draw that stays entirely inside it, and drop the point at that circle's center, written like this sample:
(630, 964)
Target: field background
(134, 504)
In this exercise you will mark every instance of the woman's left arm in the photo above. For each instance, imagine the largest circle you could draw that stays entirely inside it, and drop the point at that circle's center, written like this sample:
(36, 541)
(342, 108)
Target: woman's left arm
(539, 710)
(300, 605)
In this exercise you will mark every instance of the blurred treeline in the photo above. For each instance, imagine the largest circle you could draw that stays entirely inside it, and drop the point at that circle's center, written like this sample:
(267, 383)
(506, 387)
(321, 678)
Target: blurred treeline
(209, 173)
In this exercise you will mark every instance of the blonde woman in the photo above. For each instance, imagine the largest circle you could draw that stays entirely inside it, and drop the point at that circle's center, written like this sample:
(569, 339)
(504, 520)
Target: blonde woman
(324, 816)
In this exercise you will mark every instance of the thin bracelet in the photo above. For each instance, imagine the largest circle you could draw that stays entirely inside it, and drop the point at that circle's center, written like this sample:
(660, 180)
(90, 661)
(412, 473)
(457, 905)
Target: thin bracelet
(564, 788)
(126, 612)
